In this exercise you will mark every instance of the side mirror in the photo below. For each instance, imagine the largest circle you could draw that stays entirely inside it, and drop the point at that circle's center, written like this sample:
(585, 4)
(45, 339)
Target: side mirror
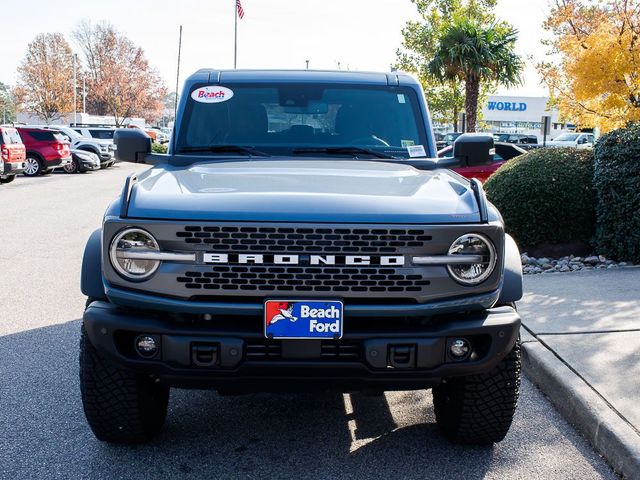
(474, 149)
(132, 145)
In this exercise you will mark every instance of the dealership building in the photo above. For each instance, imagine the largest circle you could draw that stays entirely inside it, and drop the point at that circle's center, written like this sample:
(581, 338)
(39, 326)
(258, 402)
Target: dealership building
(516, 114)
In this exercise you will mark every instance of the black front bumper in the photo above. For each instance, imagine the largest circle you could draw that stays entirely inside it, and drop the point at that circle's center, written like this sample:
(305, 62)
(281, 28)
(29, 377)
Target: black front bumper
(221, 355)
(87, 165)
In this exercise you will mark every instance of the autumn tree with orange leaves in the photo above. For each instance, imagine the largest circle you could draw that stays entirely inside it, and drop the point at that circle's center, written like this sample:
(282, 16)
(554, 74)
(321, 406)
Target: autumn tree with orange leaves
(120, 81)
(45, 78)
(594, 69)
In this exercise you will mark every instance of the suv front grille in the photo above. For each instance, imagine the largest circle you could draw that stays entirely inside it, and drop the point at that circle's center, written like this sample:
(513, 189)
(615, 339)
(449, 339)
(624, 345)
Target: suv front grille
(311, 240)
(303, 279)
(330, 350)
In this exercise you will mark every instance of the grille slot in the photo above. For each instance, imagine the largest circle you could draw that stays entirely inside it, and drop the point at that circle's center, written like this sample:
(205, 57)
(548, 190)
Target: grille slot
(310, 240)
(330, 350)
(303, 279)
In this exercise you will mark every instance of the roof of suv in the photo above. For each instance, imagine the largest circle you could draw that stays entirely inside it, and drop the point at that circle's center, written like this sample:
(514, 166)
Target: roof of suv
(302, 76)
(30, 128)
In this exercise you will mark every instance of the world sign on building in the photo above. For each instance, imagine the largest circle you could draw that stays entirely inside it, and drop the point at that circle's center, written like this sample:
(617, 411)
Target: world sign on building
(500, 108)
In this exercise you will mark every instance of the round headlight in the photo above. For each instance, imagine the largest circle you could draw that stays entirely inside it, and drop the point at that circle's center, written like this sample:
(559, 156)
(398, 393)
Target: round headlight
(477, 246)
(127, 254)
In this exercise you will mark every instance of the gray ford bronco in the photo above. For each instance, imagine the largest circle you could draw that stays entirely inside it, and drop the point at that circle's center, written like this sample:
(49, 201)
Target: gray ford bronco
(300, 234)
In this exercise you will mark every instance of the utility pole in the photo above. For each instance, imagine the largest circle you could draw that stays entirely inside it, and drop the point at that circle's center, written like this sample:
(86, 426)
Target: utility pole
(307, 64)
(75, 92)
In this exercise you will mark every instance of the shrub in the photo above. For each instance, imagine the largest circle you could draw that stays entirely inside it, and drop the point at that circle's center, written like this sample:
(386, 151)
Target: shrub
(546, 197)
(617, 188)
(158, 147)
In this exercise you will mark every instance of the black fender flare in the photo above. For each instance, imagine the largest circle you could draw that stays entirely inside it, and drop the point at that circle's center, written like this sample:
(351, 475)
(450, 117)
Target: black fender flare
(91, 276)
(512, 283)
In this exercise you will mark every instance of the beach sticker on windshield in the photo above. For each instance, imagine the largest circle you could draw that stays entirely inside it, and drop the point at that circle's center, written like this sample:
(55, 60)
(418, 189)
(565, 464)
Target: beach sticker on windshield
(407, 143)
(212, 94)
(401, 98)
(416, 151)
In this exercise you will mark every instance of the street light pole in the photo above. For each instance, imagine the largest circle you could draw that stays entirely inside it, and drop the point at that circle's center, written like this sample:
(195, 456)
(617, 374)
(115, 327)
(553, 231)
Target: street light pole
(75, 92)
(235, 34)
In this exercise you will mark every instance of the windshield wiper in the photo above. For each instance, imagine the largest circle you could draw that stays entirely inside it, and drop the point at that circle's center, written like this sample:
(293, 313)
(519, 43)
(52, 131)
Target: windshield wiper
(343, 151)
(225, 149)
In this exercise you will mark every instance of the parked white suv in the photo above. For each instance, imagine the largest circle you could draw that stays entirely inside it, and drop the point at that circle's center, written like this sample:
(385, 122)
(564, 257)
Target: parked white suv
(103, 148)
(100, 133)
(572, 140)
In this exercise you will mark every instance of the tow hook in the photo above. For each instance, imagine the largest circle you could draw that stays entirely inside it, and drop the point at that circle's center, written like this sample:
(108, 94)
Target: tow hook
(402, 356)
(204, 355)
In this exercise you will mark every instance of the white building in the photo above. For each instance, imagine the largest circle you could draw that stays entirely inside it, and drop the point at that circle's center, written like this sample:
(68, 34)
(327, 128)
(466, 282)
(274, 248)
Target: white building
(83, 118)
(515, 114)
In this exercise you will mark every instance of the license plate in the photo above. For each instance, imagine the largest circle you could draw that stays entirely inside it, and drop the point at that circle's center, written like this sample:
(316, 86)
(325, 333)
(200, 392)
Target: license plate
(303, 319)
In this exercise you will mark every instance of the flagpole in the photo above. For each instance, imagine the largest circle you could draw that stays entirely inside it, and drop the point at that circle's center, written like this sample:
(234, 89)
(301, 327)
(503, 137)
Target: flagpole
(235, 29)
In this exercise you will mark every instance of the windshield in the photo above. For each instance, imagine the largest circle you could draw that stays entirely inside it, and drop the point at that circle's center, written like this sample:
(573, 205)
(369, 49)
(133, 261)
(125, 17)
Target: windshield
(11, 136)
(567, 137)
(69, 132)
(102, 134)
(283, 119)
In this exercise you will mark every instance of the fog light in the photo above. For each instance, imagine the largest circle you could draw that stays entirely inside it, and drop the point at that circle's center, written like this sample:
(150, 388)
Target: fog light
(459, 348)
(147, 346)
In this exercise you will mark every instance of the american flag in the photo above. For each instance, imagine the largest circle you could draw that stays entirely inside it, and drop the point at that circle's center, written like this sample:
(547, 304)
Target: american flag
(239, 8)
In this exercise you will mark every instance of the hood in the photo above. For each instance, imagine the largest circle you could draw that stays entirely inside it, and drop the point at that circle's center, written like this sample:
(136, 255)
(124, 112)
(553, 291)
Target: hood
(346, 191)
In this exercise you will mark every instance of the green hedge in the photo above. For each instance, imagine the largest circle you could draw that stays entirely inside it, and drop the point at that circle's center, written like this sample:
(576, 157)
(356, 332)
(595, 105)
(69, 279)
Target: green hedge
(546, 197)
(617, 186)
(159, 147)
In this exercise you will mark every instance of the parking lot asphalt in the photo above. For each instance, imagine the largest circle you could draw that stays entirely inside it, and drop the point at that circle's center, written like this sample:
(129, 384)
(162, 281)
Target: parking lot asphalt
(44, 223)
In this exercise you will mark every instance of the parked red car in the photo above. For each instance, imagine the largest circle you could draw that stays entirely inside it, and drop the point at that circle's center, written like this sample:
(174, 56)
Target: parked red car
(12, 154)
(46, 150)
(504, 151)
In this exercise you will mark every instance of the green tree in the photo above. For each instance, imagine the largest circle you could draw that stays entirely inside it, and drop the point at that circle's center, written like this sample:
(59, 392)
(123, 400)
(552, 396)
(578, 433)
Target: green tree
(7, 104)
(420, 44)
(476, 52)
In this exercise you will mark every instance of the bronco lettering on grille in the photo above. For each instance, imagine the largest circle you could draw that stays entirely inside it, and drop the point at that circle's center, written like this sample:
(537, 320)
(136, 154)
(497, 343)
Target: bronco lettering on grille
(285, 259)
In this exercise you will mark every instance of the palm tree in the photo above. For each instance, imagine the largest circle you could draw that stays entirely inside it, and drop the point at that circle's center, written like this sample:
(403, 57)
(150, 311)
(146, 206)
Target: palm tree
(476, 52)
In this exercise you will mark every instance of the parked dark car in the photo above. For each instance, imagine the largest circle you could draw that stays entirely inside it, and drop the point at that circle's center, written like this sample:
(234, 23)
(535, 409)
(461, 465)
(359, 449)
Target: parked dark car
(517, 138)
(527, 142)
(12, 154)
(504, 152)
(45, 150)
(447, 139)
(82, 161)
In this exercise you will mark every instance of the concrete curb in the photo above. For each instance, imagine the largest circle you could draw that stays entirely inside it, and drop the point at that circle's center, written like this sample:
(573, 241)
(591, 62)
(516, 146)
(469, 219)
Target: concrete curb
(611, 436)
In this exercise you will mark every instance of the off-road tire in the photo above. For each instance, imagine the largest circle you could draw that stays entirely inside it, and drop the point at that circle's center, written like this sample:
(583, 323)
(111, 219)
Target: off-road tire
(121, 406)
(478, 409)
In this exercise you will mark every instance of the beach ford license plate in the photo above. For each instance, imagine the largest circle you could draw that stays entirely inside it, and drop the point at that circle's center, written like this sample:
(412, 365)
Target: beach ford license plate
(303, 319)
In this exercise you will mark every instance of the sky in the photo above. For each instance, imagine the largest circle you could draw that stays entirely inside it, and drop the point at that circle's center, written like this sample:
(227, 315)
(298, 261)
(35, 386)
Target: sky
(331, 34)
